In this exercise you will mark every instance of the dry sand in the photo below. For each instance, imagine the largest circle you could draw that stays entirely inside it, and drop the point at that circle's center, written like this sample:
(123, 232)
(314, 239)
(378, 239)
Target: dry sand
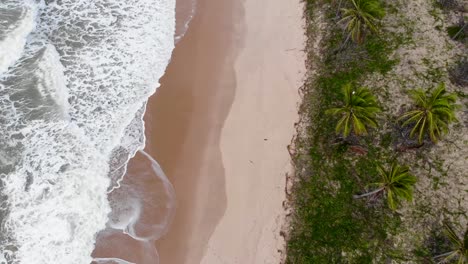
(254, 139)
(220, 125)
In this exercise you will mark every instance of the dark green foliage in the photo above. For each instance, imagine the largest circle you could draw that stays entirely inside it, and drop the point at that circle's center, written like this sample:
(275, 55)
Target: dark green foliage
(328, 225)
(433, 111)
(358, 111)
(386, 140)
(459, 246)
(457, 32)
(396, 183)
(362, 17)
(331, 222)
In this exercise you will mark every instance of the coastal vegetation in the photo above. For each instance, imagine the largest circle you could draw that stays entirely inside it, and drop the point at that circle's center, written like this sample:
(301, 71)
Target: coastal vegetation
(396, 183)
(361, 18)
(433, 113)
(358, 112)
(345, 134)
(459, 246)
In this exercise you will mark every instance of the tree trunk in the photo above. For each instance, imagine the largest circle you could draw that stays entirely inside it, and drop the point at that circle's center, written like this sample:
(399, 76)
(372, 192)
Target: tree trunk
(345, 42)
(369, 193)
(444, 255)
(458, 33)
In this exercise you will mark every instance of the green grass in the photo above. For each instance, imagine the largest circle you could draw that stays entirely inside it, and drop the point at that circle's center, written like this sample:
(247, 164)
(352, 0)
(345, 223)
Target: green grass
(329, 226)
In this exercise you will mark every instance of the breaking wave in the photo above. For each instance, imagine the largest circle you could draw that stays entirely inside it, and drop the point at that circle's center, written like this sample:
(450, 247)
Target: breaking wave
(75, 76)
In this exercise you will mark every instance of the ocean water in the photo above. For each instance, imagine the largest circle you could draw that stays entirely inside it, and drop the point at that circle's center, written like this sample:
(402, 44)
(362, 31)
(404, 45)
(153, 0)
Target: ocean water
(75, 76)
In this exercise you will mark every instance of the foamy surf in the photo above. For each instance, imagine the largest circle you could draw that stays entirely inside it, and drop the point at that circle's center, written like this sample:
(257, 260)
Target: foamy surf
(16, 22)
(142, 209)
(75, 76)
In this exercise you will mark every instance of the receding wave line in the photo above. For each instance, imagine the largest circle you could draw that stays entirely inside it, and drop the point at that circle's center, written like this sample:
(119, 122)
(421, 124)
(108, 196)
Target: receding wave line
(142, 209)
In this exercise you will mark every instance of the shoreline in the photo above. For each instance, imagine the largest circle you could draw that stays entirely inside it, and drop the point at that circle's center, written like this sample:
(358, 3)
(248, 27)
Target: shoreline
(217, 129)
(183, 125)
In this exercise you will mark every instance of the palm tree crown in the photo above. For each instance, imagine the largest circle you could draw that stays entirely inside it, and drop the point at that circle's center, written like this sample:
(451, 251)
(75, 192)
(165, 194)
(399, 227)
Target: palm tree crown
(460, 247)
(434, 112)
(396, 183)
(359, 111)
(364, 14)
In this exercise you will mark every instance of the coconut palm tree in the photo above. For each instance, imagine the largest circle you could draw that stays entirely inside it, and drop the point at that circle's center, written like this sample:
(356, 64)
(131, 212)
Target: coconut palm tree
(434, 111)
(358, 112)
(364, 15)
(397, 183)
(460, 247)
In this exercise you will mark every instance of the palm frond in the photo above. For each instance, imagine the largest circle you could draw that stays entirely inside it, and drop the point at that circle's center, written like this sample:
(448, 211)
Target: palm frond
(362, 16)
(398, 184)
(460, 246)
(434, 111)
(357, 113)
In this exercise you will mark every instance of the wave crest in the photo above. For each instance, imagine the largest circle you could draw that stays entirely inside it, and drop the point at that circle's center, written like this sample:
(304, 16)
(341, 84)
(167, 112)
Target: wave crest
(71, 104)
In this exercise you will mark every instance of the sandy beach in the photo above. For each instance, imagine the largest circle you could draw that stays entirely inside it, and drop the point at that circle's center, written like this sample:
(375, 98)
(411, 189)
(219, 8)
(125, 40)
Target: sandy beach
(219, 126)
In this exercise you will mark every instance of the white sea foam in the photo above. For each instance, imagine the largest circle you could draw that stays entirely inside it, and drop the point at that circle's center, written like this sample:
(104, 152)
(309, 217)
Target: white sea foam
(72, 109)
(51, 80)
(142, 209)
(185, 13)
(12, 45)
(144, 204)
(56, 219)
